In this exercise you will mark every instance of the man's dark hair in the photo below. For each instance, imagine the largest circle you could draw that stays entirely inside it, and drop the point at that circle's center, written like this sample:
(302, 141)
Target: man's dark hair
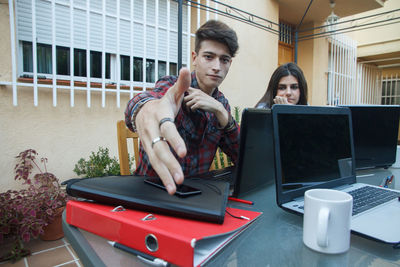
(217, 31)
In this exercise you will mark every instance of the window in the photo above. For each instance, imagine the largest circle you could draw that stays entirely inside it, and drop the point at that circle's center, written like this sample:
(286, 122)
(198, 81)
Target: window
(62, 54)
(43, 53)
(90, 48)
(137, 69)
(162, 69)
(80, 62)
(390, 91)
(150, 70)
(125, 68)
(27, 57)
(173, 69)
(44, 60)
(95, 64)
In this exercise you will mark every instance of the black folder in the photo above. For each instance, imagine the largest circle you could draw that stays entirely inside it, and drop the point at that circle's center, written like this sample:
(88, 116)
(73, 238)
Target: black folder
(132, 192)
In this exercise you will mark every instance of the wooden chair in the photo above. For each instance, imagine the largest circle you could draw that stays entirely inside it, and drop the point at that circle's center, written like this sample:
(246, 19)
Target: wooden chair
(123, 133)
(220, 161)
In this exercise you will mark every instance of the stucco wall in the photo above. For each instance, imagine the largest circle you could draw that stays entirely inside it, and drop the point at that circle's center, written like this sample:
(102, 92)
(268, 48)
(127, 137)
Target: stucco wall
(64, 134)
(313, 60)
(257, 58)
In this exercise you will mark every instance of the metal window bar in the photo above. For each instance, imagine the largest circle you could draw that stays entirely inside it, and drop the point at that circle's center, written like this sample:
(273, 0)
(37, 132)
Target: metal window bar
(342, 71)
(390, 86)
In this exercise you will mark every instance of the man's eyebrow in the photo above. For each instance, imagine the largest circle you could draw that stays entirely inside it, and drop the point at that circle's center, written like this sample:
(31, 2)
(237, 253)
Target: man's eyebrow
(214, 54)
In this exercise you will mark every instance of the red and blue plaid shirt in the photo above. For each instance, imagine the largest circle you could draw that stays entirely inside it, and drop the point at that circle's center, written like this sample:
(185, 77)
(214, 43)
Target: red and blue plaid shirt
(199, 130)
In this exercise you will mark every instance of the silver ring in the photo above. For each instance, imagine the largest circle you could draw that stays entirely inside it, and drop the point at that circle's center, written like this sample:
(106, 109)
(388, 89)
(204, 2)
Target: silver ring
(165, 120)
(157, 139)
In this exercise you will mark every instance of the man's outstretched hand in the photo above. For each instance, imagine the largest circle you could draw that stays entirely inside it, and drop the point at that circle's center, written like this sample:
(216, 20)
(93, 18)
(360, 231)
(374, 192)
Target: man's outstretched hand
(147, 125)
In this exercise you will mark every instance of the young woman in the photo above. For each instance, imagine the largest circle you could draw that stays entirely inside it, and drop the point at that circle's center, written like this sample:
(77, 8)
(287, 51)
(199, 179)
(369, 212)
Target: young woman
(286, 86)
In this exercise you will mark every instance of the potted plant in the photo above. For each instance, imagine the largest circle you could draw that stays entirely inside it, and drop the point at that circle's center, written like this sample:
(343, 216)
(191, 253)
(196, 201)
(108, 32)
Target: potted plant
(27, 213)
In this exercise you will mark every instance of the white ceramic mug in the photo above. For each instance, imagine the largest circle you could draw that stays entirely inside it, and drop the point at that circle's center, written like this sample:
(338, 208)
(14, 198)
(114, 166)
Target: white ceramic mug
(327, 217)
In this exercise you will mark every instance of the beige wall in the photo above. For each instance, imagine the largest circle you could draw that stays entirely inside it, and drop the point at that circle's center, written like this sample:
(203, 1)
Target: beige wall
(257, 58)
(379, 40)
(64, 134)
(313, 60)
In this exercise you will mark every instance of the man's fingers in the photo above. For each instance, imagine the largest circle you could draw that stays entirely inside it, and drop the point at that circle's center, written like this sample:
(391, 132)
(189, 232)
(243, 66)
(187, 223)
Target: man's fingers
(167, 159)
(180, 87)
(169, 131)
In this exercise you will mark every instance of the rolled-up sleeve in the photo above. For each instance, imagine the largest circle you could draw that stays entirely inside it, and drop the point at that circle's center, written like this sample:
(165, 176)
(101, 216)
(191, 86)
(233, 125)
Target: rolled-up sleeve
(140, 99)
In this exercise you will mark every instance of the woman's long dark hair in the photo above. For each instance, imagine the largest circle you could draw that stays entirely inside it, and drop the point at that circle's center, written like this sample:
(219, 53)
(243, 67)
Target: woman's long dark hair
(283, 71)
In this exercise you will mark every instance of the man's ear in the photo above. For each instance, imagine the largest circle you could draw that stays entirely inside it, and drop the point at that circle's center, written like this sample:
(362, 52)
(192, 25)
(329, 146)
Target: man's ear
(194, 56)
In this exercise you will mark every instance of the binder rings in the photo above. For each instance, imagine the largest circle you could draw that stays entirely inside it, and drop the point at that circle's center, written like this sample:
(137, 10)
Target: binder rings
(132, 192)
(179, 241)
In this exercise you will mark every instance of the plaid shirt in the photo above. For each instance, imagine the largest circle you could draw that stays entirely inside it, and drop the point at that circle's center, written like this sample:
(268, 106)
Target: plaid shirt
(198, 129)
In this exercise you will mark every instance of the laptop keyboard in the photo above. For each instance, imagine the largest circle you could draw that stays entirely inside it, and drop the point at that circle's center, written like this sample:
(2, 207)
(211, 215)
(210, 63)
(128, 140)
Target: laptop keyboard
(367, 197)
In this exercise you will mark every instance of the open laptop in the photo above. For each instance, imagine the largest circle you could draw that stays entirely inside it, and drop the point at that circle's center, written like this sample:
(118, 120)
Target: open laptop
(375, 133)
(255, 167)
(314, 149)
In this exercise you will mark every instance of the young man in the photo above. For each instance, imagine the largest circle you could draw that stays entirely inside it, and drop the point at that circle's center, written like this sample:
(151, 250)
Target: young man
(187, 113)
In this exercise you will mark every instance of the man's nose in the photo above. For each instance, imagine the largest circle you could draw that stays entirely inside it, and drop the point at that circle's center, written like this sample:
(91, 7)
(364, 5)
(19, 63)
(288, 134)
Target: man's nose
(216, 64)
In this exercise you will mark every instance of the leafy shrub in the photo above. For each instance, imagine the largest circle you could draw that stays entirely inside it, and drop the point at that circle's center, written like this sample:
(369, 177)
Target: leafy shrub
(99, 164)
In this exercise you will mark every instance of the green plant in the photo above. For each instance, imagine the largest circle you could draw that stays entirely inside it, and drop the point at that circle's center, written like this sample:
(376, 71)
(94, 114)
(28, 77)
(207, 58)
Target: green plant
(99, 164)
(24, 213)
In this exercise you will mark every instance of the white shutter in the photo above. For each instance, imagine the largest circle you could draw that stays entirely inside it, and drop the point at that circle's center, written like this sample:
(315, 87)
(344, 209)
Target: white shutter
(80, 3)
(151, 11)
(111, 7)
(96, 32)
(162, 14)
(62, 25)
(111, 35)
(80, 28)
(173, 47)
(138, 10)
(43, 22)
(24, 20)
(184, 49)
(138, 40)
(125, 9)
(96, 5)
(125, 37)
(173, 24)
(150, 42)
(162, 44)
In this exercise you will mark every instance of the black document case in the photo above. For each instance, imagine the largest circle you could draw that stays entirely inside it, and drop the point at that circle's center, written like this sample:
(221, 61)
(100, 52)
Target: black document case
(131, 192)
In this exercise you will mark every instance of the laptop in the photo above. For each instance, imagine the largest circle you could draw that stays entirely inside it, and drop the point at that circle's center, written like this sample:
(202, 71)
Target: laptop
(255, 167)
(314, 149)
(375, 133)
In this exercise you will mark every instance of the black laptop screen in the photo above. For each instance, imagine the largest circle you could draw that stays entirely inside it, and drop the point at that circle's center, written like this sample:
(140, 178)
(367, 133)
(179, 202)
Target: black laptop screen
(375, 130)
(314, 149)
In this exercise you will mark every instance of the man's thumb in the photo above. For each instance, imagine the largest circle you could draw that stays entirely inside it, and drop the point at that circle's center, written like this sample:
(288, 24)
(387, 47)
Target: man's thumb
(182, 84)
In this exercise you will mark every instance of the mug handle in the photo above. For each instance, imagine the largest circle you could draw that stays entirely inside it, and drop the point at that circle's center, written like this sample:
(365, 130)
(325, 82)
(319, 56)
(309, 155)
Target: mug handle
(322, 228)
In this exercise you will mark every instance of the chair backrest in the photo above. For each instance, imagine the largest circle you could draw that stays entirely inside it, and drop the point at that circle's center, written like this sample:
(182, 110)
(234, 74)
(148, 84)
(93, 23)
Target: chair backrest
(220, 161)
(123, 133)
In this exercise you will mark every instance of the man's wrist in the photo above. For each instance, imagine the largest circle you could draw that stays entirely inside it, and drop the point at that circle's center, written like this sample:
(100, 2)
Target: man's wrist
(136, 110)
(229, 125)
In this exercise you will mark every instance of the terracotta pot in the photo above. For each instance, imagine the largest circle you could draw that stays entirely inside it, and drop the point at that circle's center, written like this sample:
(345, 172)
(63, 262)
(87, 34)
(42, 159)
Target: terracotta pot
(54, 231)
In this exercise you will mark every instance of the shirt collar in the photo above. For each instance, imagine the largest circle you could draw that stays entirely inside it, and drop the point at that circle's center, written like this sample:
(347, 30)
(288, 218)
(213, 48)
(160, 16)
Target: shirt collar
(195, 84)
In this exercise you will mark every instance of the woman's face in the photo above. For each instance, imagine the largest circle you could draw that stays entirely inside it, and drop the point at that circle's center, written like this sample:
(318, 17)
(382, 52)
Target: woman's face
(288, 87)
